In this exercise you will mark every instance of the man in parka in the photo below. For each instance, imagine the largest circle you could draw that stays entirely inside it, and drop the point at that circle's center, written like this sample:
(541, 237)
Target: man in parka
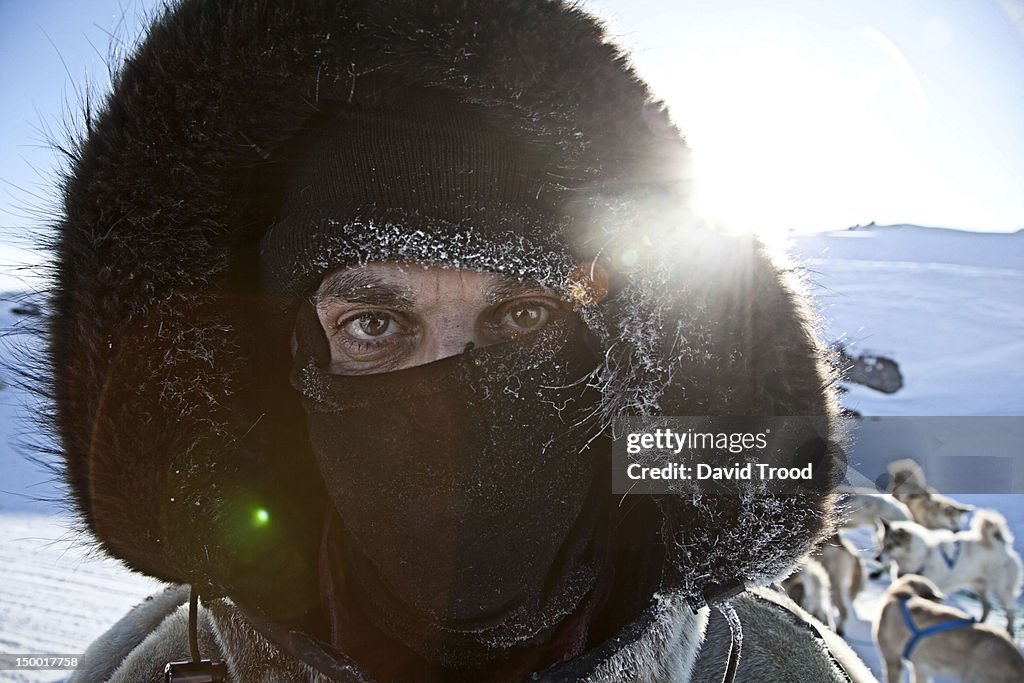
(348, 296)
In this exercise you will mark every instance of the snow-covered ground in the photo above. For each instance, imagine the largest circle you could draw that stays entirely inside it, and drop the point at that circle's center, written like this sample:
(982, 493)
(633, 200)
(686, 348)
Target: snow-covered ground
(56, 595)
(945, 304)
(948, 306)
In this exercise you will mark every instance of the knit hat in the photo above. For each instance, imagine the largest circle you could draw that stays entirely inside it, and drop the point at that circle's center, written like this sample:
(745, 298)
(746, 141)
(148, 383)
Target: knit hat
(421, 178)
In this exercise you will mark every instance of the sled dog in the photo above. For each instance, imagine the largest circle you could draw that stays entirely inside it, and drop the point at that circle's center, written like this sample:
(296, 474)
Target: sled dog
(939, 640)
(846, 570)
(864, 509)
(981, 558)
(936, 511)
(906, 477)
(811, 588)
(927, 506)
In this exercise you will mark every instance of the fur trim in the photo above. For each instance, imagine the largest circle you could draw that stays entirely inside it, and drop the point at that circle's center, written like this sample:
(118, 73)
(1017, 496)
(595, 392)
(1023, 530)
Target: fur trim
(781, 643)
(173, 413)
(667, 651)
(154, 311)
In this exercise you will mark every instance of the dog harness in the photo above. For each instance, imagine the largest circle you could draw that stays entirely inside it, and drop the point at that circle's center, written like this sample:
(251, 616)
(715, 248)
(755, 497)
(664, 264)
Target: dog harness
(949, 558)
(916, 634)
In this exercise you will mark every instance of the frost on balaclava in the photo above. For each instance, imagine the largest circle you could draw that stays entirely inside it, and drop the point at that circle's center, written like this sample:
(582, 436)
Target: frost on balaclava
(469, 493)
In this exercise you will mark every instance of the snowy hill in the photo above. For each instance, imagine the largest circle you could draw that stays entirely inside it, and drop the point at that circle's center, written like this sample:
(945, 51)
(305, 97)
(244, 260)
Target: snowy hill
(945, 304)
(916, 244)
(948, 306)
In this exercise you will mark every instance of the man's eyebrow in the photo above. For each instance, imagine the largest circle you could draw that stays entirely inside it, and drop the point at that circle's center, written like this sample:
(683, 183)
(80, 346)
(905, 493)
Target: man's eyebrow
(509, 289)
(363, 288)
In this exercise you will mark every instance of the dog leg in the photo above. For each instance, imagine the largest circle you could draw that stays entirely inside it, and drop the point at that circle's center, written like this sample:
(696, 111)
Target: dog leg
(893, 668)
(981, 589)
(986, 607)
(1005, 596)
(840, 603)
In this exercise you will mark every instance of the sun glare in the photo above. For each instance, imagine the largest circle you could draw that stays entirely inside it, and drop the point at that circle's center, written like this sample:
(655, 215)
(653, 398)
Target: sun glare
(782, 136)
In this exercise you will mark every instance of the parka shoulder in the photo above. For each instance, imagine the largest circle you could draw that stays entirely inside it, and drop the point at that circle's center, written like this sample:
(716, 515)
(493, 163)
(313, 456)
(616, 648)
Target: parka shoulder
(781, 643)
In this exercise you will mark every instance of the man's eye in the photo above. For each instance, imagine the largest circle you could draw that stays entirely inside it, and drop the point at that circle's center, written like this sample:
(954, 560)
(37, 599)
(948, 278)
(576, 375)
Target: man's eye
(526, 316)
(370, 326)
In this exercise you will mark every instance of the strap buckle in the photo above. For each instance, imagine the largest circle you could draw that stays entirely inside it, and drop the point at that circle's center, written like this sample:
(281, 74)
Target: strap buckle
(203, 671)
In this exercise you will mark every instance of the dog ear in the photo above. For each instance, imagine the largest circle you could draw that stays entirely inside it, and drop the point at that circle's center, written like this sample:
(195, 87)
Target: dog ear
(961, 507)
(927, 589)
(882, 525)
(914, 585)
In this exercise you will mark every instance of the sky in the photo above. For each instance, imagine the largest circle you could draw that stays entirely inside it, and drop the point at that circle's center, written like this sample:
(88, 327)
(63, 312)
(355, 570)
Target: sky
(821, 114)
(803, 114)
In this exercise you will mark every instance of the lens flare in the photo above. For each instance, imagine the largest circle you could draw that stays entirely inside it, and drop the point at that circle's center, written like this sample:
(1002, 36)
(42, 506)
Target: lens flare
(260, 517)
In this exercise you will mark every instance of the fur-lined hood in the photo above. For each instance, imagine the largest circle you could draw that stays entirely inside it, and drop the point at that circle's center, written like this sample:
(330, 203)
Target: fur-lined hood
(169, 366)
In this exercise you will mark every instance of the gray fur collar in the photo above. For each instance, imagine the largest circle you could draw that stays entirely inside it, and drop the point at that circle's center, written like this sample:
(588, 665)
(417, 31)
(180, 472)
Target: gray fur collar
(670, 643)
(661, 646)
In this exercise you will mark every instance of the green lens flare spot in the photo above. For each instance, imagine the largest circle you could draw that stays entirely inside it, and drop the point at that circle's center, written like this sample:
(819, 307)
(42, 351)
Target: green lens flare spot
(260, 517)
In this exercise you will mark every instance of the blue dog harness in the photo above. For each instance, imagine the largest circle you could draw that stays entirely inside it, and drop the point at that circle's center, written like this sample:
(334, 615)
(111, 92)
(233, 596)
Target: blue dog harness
(916, 634)
(949, 558)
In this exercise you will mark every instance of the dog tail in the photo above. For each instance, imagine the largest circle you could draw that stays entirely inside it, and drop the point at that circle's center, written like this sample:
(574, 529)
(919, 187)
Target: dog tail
(992, 528)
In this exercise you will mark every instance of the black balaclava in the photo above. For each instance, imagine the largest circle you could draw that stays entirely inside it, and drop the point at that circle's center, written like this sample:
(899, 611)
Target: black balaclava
(469, 491)
(468, 494)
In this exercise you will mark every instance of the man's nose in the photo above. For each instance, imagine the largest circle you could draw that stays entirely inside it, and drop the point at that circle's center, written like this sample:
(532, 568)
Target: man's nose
(451, 337)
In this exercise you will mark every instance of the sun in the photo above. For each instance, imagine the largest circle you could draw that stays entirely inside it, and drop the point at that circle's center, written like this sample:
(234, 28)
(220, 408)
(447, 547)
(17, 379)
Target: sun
(785, 138)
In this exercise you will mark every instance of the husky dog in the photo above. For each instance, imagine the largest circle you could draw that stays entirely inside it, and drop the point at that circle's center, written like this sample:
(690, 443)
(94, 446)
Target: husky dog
(936, 511)
(810, 588)
(928, 508)
(864, 509)
(939, 640)
(845, 569)
(981, 559)
(906, 478)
